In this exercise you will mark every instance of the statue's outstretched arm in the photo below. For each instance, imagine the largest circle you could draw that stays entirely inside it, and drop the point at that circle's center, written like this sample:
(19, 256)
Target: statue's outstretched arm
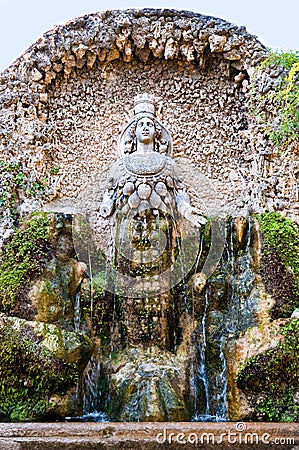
(185, 209)
(107, 206)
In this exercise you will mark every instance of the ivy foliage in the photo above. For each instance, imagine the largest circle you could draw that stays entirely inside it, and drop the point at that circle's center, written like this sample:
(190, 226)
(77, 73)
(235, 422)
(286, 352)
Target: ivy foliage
(271, 379)
(285, 98)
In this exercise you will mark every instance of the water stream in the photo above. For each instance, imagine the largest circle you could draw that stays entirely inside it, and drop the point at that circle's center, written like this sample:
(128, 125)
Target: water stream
(221, 383)
(91, 388)
(224, 313)
(210, 397)
(77, 312)
(202, 371)
(228, 309)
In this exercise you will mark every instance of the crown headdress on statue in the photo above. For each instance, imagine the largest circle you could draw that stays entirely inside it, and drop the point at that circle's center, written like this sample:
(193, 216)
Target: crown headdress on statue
(144, 103)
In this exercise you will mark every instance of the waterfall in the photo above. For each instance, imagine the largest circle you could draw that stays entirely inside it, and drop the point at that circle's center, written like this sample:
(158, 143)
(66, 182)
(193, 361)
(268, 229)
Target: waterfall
(218, 320)
(92, 391)
(221, 383)
(77, 312)
(202, 373)
(91, 387)
(212, 388)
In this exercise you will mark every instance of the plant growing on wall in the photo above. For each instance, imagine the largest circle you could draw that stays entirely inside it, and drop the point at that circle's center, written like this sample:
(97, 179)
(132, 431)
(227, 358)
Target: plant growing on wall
(283, 95)
(17, 182)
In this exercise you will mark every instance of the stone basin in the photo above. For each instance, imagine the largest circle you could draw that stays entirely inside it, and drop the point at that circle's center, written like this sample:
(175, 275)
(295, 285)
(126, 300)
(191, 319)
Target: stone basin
(149, 436)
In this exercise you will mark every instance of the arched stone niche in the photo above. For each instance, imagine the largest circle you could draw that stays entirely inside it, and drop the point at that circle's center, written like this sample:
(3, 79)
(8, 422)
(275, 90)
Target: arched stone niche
(66, 99)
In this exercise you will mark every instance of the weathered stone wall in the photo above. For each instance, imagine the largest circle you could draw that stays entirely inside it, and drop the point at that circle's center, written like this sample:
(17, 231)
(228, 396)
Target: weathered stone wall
(275, 182)
(65, 100)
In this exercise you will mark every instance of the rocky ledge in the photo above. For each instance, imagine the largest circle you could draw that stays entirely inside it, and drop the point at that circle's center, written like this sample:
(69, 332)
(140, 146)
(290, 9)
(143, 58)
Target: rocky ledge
(149, 436)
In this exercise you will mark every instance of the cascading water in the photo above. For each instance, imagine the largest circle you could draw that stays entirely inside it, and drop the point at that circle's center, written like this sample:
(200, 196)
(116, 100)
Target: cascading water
(228, 307)
(221, 383)
(210, 396)
(77, 312)
(201, 371)
(92, 391)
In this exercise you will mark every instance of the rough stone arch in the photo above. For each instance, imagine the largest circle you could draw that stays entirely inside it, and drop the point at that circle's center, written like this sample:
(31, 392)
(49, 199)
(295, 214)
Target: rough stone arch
(66, 98)
(109, 35)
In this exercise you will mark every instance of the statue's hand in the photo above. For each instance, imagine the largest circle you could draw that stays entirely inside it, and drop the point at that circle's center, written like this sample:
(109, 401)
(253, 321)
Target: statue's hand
(195, 217)
(107, 207)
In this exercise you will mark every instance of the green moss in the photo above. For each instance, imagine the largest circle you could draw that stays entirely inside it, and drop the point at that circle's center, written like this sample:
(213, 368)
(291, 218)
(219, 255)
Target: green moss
(271, 379)
(29, 375)
(280, 262)
(21, 258)
(281, 233)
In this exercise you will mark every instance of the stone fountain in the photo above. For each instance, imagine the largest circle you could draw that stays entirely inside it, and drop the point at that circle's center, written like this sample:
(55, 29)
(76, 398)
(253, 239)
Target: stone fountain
(148, 270)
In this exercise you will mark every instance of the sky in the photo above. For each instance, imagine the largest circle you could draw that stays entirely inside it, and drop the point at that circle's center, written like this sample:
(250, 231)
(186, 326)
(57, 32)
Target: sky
(22, 22)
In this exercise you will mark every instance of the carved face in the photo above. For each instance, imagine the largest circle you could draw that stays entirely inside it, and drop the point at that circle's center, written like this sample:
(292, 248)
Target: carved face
(145, 130)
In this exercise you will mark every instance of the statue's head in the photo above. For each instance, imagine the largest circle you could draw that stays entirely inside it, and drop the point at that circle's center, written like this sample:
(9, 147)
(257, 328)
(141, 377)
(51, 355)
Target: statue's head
(145, 128)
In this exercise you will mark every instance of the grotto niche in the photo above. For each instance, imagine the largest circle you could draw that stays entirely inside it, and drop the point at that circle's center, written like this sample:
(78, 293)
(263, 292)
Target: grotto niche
(148, 271)
(153, 252)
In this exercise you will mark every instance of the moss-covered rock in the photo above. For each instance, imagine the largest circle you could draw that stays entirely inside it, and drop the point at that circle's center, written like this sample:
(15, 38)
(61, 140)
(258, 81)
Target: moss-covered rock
(251, 343)
(22, 259)
(270, 380)
(41, 359)
(280, 262)
(53, 293)
(71, 346)
(32, 371)
(148, 386)
(39, 276)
